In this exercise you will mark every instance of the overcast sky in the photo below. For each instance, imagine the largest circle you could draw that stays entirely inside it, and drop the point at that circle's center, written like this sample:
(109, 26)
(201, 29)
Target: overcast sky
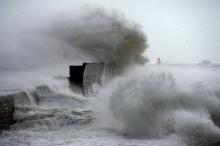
(177, 30)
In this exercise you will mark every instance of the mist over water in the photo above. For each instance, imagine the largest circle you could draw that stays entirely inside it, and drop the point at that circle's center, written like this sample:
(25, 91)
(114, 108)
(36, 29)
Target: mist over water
(46, 44)
(71, 37)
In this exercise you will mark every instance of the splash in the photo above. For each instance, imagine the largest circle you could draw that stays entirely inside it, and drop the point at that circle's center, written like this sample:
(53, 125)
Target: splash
(106, 36)
(159, 101)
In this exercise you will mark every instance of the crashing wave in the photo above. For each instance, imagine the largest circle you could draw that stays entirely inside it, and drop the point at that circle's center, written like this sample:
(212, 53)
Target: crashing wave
(153, 103)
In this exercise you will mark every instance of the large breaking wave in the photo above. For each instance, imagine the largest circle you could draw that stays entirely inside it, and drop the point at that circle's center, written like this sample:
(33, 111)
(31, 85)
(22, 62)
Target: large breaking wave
(106, 36)
(157, 101)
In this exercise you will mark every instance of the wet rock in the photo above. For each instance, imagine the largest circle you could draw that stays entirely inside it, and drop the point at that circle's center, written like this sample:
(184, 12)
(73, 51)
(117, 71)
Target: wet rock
(216, 144)
(6, 111)
(20, 98)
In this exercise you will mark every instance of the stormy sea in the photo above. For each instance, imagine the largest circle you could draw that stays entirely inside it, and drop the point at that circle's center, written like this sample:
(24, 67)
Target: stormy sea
(133, 103)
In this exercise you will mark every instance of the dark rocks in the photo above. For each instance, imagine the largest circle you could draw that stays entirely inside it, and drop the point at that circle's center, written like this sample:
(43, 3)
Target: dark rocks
(216, 119)
(215, 144)
(6, 111)
(20, 98)
(8, 104)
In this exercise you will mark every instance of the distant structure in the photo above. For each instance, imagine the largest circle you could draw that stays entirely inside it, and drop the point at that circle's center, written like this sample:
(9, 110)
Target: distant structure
(205, 62)
(158, 60)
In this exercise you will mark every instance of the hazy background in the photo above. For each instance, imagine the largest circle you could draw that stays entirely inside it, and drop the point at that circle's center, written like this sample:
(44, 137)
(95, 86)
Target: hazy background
(177, 30)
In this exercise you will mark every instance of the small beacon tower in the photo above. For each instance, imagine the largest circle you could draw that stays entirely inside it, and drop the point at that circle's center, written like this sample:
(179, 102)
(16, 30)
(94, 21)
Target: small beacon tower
(158, 60)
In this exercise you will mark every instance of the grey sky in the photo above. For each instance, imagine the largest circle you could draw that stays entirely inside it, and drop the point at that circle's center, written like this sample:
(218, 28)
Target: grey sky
(177, 30)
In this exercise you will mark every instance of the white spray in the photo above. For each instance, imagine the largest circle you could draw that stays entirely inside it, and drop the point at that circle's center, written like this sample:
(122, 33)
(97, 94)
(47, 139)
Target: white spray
(156, 101)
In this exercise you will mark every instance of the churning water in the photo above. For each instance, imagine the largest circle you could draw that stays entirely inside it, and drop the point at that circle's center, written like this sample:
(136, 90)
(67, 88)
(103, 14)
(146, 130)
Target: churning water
(146, 105)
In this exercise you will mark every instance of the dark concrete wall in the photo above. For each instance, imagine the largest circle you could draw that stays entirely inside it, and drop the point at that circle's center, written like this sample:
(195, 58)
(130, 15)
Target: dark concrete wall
(76, 74)
(6, 111)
